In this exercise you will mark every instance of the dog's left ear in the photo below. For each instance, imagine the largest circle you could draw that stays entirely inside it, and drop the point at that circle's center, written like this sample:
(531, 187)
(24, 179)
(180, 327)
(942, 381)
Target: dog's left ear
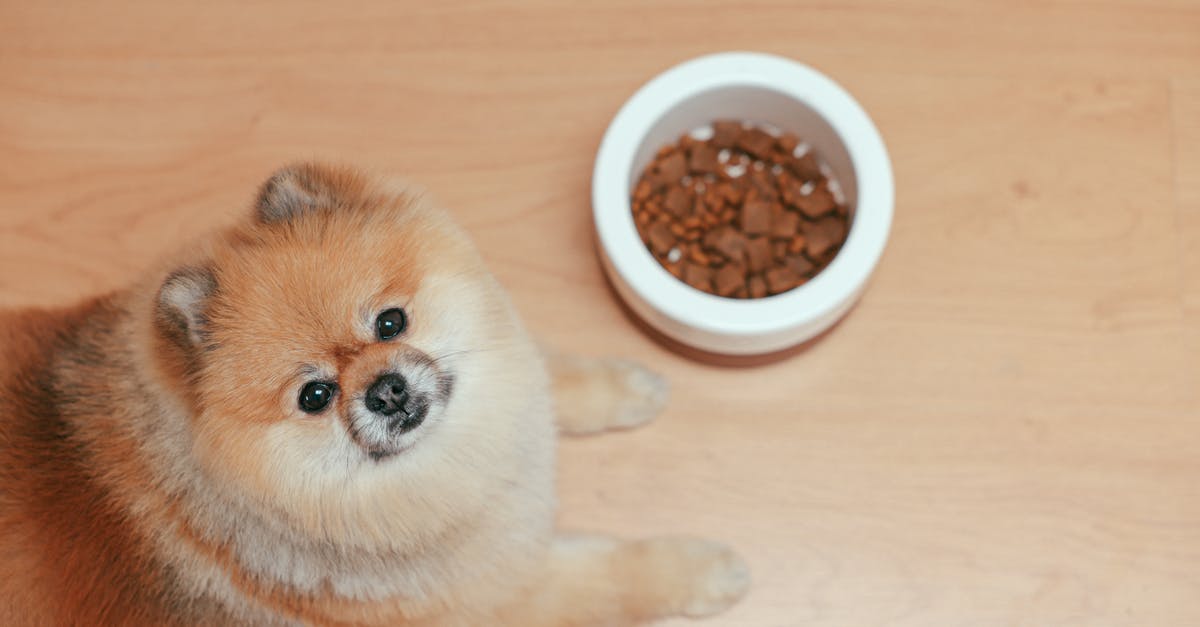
(299, 189)
(181, 312)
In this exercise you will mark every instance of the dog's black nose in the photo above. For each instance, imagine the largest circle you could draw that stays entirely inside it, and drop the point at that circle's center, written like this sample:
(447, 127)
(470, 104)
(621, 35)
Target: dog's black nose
(387, 395)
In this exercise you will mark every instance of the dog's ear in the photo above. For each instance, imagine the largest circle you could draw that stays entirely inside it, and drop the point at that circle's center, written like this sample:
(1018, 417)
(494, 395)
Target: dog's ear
(298, 189)
(182, 306)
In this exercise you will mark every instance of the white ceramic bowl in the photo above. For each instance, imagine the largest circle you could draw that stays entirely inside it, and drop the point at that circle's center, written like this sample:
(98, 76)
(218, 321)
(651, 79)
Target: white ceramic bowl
(758, 88)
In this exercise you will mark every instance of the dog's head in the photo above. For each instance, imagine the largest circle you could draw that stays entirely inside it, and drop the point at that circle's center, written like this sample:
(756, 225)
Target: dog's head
(347, 344)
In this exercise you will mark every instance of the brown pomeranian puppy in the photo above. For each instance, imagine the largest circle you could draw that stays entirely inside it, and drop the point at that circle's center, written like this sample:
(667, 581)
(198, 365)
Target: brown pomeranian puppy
(328, 414)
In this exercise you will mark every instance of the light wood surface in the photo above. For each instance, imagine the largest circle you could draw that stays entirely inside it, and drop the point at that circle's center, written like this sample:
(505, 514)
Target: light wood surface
(1005, 432)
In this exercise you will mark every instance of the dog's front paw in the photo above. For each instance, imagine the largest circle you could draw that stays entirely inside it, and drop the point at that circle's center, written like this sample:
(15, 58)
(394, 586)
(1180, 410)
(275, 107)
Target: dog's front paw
(693, 577)
(595, 395)
(642, 394)
(721, 579)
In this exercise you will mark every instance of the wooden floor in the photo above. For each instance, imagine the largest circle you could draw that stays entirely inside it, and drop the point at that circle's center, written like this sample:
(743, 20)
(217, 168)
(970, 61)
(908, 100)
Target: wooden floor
(1005, 432)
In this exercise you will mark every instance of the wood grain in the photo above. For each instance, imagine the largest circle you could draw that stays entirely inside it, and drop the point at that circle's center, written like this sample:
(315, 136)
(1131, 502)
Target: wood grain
(1005, 432)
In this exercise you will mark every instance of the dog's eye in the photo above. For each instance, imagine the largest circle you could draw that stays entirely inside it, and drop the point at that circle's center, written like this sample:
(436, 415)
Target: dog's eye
(391, 323)
(315, 396)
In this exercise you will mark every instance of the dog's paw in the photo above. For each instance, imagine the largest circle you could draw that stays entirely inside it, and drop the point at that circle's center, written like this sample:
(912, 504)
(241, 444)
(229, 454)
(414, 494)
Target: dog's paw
(594, 395)
(695, 578)
(643, 394)
(721, 579)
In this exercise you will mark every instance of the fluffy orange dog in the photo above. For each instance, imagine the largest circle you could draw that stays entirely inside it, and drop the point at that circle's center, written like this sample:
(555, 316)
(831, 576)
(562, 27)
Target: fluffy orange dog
(329, 415)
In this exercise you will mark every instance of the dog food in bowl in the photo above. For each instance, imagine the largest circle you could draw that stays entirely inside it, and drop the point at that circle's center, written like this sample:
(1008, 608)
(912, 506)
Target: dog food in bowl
(740, 211)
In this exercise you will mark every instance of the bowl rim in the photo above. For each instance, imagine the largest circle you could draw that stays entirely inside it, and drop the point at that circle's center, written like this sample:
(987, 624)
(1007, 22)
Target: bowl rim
(677, 301)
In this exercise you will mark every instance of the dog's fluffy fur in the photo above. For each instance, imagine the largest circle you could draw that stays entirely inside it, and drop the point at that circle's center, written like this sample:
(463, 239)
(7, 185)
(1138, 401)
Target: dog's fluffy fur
(155, 467)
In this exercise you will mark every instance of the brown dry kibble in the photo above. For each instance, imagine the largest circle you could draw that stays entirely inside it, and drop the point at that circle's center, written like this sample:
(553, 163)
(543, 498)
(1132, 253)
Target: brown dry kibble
(698, 276)
(710, 238)
(672, 168)
(729, 279)
(777, 157)
(824, 234)
(642, 191)
(677, 201)
(762, 185)
(805, 167)
(757, 287)
(781, 279)
(703, 159)
(749, 236)
(676, 270)
(800, 264)
(660, 238)
(756, 217)
(757, 142)
(787, 143)
(732, 194)
(728, 242)
(711, 197)
(791, 190)
(784, 225)
(818, 203)
(725, 133)
(758, 254)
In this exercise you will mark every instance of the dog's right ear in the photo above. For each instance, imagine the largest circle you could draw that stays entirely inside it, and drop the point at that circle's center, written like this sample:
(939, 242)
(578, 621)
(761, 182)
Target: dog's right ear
(289, 192)
(182, 305)
(302, 188)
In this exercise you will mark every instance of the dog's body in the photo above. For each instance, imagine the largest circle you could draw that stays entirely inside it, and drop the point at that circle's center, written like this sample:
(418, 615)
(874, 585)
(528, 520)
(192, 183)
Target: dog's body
(156, 469)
